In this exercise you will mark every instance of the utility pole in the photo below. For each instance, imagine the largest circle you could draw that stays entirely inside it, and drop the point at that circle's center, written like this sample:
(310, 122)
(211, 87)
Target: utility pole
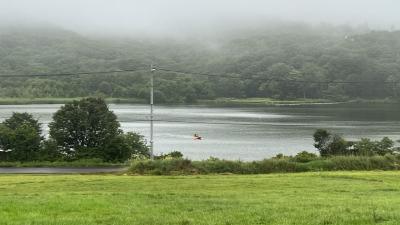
(152, 70)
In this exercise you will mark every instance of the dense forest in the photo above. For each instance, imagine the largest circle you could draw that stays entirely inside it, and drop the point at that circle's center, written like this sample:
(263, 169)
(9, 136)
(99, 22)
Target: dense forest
(283, 61)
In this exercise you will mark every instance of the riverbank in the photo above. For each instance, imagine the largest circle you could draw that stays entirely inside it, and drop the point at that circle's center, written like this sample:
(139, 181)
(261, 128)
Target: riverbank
(270, 101)
(352, 198)
(218, 101)
(30, 101)
(264, 101)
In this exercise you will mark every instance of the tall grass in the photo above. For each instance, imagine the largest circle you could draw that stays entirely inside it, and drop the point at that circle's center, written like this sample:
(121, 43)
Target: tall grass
(285, 165)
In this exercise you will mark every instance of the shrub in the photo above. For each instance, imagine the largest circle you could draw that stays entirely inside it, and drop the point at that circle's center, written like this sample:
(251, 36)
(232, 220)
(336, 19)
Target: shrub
(281, 156)
(333, 145)
(367, 147)
(49, 151)
(286, 165)
(305, 157)
(137, 146)
(330, 144)
(214, 165)
(162, 167)
(171, 155)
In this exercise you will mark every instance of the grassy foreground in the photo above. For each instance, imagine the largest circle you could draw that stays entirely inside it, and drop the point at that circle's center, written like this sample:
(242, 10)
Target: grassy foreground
(303, 199)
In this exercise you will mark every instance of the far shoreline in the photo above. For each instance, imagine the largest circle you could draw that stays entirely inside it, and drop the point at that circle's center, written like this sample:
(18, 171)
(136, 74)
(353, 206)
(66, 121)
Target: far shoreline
(213, 102)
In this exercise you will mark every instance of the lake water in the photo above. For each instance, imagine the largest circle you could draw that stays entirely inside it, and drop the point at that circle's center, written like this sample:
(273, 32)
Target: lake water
(246, 133)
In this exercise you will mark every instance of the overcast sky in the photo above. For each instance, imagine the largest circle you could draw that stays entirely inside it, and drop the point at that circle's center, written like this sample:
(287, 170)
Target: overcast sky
(174, 16)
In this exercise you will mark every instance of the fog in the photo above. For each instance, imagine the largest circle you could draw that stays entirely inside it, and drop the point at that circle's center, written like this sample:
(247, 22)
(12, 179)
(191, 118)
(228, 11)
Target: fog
(178, 17)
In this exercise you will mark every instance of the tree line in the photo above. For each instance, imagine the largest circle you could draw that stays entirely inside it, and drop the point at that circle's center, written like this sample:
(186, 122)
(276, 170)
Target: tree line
(84, 129)
(331, 144)
(254, 64)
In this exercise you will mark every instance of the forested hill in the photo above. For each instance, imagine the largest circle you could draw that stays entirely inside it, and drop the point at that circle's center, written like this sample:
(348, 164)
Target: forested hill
(273, 62)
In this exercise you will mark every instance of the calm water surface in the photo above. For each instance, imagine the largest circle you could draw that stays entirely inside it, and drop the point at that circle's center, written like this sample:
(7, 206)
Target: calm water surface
(246, 133)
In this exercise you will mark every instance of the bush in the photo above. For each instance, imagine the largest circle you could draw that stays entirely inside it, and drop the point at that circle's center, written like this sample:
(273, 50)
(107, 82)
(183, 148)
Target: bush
(333, 145)
(214, 165)
(49, 151)
(162, 167)
(137, 146)
(367, 147)
(285, 165)
(171, 155)
(305, 157)
(330, 144)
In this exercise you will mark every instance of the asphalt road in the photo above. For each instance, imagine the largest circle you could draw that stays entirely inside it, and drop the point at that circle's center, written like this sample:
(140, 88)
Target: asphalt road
(49, 170)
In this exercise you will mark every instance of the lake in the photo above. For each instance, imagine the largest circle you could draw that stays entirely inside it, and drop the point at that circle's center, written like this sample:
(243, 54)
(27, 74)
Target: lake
(245, 133)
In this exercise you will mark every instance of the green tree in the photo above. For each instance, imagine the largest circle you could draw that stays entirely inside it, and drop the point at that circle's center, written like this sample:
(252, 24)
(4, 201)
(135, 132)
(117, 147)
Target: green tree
(20, 138)
(126, 146)
(6, 140)
(321, 139)
(369, 148)
(26, 144)
(50, 151)
(136, 145)
(330, 144)
(18, 119)
(84, 128)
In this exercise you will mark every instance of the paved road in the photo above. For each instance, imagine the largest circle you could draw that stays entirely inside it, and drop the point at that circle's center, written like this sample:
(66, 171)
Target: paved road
(48, 170)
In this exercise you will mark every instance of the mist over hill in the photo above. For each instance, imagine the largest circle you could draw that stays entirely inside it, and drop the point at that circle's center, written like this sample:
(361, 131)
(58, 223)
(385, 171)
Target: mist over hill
(252, 63)
(181, 18)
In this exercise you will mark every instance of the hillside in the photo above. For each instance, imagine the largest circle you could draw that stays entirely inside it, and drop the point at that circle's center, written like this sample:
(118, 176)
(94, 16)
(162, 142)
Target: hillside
(267, 62)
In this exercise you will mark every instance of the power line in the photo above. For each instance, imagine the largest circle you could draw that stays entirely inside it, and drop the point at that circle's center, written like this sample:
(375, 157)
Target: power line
(273, 79)
(238, 76)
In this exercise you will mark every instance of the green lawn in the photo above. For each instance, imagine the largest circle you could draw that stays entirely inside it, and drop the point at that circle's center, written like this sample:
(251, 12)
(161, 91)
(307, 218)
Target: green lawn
(309, 198)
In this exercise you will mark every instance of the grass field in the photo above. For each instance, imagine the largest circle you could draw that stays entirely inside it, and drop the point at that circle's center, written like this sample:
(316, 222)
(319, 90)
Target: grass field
(307, 198)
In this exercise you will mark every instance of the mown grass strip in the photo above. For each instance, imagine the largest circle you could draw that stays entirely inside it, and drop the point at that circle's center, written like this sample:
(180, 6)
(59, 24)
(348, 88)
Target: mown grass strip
(351, 198)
